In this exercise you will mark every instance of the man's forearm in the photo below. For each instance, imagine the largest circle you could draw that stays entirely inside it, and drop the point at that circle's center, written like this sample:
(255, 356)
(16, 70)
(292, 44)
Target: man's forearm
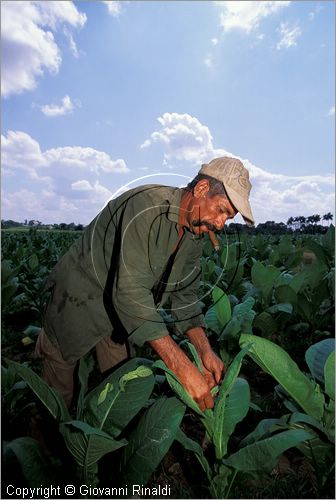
(199, 339)
(171, 354)
(187, 373)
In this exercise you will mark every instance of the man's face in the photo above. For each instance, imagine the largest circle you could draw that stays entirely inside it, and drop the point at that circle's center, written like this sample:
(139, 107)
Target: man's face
(207, 213)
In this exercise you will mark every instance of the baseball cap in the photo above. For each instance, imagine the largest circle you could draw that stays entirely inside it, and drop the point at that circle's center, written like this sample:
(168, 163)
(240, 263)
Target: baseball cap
(236, 180)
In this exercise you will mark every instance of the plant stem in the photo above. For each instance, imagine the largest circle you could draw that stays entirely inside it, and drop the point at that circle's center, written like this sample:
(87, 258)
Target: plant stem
(231, 483)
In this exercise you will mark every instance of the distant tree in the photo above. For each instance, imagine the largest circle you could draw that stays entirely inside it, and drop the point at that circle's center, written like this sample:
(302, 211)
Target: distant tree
(79, 227)
(302, 221)
(328, 217)
(316, 218)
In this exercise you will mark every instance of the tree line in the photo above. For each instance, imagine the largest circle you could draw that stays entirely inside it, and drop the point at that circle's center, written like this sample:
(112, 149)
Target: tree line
(298, 224)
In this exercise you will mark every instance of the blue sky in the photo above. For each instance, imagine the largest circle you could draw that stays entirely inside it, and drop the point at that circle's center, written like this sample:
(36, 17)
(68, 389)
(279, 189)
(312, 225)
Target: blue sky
(96, 95)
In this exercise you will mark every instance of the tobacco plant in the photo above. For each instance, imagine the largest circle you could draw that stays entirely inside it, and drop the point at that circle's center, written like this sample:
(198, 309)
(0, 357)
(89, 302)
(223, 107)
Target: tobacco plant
(231, 406)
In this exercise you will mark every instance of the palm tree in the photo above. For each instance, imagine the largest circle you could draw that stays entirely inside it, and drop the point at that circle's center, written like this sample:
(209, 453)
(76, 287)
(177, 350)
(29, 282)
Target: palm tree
(316, 218)
(328, 217)
(302, 220)
(290, 221)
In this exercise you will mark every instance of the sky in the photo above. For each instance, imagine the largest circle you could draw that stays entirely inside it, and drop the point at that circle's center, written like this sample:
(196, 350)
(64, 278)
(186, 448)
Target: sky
(99, 97)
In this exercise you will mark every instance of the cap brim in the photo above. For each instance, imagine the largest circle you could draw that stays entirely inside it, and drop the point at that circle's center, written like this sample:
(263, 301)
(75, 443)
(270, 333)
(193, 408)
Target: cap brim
(241, 205)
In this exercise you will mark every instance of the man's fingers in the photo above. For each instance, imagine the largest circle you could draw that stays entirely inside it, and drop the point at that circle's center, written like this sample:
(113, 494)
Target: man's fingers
(206, 402)
(210, 379)
(209, 402)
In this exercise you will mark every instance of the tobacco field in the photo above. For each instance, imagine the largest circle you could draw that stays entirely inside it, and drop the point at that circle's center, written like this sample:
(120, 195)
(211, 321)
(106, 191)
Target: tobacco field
(268, 302)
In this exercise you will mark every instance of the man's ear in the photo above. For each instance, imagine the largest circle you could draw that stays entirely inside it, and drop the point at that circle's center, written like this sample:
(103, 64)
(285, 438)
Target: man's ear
(202, 188)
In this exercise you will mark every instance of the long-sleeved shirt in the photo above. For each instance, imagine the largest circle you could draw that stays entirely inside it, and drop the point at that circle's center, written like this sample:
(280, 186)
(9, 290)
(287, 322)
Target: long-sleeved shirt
(122, 270)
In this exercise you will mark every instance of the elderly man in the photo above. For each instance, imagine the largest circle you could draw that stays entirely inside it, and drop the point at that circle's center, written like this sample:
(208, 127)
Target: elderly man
(142, 249)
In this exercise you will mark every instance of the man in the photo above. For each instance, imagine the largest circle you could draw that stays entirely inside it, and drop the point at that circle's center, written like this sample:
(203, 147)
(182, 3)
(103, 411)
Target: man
(142, 250)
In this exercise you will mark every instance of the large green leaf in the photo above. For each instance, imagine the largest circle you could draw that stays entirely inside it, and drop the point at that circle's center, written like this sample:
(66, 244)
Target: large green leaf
(286, 246)
(317, 355)
(329, 375)
(222, 306)
(229, 256)
(151, 440)
(264, 277)
(241, 320)
(236, 407)
(221, 433)
(265, 323)
(285, 293)
(219, 487)
(84, 369)
(129, 387)
(264, 429)
(275, 361)
(263, 454)
(87, 445)
(35, 465)
(191, 445)
(212, 320)
(51, 400)
(317, 249)
(281, 307)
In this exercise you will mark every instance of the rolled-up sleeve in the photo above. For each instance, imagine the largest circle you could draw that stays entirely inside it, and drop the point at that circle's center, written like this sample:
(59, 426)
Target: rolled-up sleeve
(186, 308)
(132, 288)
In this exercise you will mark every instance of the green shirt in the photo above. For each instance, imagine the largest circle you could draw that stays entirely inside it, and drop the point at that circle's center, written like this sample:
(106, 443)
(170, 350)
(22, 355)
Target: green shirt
(118, 275)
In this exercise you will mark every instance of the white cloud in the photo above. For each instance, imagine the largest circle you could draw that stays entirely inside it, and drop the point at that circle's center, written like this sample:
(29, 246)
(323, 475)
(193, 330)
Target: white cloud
(72, 44)
(82, 185)
(183, 137)
(113, 7)
(208, 61)
(247, 15)
(214, 41)
(20, 150)
(65, 108)
(69, 184)
(288, 36)
(274, 196)
(29, 47)
(331, 111)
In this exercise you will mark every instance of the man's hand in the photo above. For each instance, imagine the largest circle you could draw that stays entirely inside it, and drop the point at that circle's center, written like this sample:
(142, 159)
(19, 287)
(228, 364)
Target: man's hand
(213, 365)
(188, 374)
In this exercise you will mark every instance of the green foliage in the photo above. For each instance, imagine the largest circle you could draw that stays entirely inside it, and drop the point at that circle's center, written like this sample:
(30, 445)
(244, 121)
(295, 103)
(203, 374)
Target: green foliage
(151, 440)
(275, 361)
(263, 454)
(104, 412)
(36, 467)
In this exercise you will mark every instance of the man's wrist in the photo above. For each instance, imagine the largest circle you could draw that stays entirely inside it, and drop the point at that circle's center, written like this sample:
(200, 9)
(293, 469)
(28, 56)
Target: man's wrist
(199, 340)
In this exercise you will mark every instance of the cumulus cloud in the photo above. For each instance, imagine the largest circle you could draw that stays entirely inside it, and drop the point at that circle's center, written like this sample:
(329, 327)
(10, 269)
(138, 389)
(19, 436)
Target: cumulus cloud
(66, 179)
(246, 16)
(274, 196)
(113, 7)
(66, 107)
(289, 35)
(29, 47)
(183, 137)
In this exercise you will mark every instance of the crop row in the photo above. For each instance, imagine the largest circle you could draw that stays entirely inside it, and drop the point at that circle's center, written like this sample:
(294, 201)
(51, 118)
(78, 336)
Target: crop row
(268, 305)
